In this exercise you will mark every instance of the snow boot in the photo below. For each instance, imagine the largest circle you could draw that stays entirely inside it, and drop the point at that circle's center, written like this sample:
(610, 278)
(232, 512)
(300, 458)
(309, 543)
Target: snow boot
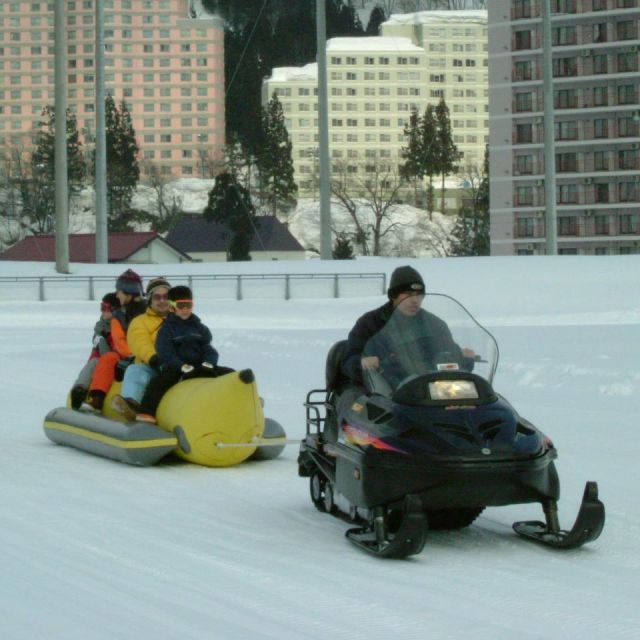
(78, 395)
(96, 399)
(126, 407)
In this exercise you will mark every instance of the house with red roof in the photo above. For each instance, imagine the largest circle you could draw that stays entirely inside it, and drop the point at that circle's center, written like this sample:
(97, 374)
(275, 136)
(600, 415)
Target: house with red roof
(130, 247)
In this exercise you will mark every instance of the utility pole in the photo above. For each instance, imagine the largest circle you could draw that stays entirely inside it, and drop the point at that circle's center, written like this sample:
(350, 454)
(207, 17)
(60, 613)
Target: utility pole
(323, 133)
(551, 220)
(102, 225)
(60, 144)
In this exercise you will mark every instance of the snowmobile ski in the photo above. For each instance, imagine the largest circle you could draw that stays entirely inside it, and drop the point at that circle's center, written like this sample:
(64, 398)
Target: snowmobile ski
(587, 527)
(408, 539)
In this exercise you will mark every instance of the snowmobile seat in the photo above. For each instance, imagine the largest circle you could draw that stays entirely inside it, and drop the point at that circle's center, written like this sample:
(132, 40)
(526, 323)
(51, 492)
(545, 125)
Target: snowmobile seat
(336, 380)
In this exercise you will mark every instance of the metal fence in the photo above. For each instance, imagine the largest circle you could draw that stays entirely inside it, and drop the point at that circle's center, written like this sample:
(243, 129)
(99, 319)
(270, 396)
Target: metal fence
(231, 286)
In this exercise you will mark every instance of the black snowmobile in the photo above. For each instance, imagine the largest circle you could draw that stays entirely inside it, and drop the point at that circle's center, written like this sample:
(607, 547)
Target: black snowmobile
(430, 444)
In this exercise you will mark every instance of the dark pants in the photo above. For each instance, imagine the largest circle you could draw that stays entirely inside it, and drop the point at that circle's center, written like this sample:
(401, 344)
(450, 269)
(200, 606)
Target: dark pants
(167, 377)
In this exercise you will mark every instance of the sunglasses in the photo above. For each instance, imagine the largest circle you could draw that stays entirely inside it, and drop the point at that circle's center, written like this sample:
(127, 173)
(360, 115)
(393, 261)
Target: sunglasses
(181, 304)
(160, 296)
(105, 306)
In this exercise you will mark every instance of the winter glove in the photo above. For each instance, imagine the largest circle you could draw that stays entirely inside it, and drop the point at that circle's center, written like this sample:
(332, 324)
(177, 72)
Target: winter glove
(186, 368)
(154, 362)
(207, 365)
(96, 341)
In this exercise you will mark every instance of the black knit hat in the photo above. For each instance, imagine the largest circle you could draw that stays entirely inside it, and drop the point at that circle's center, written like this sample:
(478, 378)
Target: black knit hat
(180, 292)
(154, 284)
(405, 279)
(112, 300)
(129, 282)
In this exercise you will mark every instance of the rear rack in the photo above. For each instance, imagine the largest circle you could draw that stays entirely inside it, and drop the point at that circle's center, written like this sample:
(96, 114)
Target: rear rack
(316, 410)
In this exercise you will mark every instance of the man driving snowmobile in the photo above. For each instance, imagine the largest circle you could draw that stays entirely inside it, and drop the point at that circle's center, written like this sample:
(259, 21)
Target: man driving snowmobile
(422, 329)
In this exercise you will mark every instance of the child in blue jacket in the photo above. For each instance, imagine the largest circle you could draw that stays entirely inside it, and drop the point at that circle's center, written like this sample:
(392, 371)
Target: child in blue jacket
(184, 349)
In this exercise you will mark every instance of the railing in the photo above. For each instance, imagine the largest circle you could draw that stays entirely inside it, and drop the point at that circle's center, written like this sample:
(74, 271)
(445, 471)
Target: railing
(238, 286)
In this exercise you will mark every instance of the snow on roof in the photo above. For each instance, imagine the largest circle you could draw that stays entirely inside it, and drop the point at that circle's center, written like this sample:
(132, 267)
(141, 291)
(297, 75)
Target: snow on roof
(284, 74)
(425, 17)
(373, 43)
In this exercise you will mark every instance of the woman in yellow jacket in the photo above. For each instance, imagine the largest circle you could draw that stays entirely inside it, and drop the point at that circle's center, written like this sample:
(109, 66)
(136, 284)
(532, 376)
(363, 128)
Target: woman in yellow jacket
(141, 337)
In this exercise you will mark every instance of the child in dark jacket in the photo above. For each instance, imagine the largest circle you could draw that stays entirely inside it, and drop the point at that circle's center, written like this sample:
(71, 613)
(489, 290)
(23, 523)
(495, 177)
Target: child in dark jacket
(102, 343)
(184, 349)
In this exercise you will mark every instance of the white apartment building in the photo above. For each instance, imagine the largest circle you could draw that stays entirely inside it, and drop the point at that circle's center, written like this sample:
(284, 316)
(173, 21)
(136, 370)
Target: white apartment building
(596, 120)
(456, 68)
(167, 65)
(375, 83)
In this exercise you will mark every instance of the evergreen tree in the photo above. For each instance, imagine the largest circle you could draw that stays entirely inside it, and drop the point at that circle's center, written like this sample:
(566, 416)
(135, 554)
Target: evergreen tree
(123, 171)
(342, 248)
(274, 160)
(447, 153)
(421, 154)
(376, 18)
(230, 205)
(470, 235)
(37, 183)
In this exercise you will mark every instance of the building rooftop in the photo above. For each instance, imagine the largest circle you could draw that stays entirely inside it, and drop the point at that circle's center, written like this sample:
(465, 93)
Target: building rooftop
(425, 17)
(196, 234)
(82, 247)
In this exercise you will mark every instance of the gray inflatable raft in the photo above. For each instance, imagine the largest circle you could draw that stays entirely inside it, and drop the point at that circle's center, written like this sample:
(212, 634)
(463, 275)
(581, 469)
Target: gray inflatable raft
(136, 443)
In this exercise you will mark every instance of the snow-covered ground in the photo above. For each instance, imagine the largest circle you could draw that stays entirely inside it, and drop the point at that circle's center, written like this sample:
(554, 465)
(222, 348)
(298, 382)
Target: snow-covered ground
(94, 549)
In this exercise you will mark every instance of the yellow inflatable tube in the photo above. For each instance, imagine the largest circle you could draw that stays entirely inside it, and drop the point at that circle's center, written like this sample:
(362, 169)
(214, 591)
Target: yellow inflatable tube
(201, 413)
(206, 412)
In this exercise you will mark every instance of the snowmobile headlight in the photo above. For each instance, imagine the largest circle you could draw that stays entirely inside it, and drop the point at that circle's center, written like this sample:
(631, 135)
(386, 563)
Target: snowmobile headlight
(453, 390)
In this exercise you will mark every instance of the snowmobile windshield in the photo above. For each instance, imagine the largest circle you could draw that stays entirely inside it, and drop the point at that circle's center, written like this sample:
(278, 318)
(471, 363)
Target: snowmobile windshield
(425, 336)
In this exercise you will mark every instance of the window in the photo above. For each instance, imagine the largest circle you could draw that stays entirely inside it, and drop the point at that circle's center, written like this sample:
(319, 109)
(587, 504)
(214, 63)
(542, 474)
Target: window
(567, 194)
(602, 192)
(568, 226)
(627, 159)
(626, 94)
(600, 64)
(599, 32)
(600, 161)
(522, 40)
(524, 133)
(628, 223)
(524, 102)
(566, 162)
(627, 127)
(601, 225)
(600, 128)
(627, 192)
(522, 70)
(565, 67)
(566, 99)
(524, 228)
(626, 30)
(524, 165)
(524, 196)
(627, 62)
(564, 35)
(521, 9)
(600, 96)
(567, 130)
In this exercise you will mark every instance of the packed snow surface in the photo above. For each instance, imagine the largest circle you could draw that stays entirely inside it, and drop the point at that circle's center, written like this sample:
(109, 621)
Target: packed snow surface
(98, 550)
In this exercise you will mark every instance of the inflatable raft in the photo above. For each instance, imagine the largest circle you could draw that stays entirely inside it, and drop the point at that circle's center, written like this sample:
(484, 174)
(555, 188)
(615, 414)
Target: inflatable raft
(216, 422)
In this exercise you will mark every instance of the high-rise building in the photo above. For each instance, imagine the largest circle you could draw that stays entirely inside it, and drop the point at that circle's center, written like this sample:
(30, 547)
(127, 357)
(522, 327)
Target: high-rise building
(167, 66)
(375, 83)
(456, 65)
(596, 52)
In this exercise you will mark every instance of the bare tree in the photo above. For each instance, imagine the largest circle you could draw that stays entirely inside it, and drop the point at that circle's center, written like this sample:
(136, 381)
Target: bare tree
(168, 206)
(370, 194)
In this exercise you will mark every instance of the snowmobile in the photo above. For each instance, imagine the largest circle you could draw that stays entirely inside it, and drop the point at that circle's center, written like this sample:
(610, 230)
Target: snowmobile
(428, 443)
